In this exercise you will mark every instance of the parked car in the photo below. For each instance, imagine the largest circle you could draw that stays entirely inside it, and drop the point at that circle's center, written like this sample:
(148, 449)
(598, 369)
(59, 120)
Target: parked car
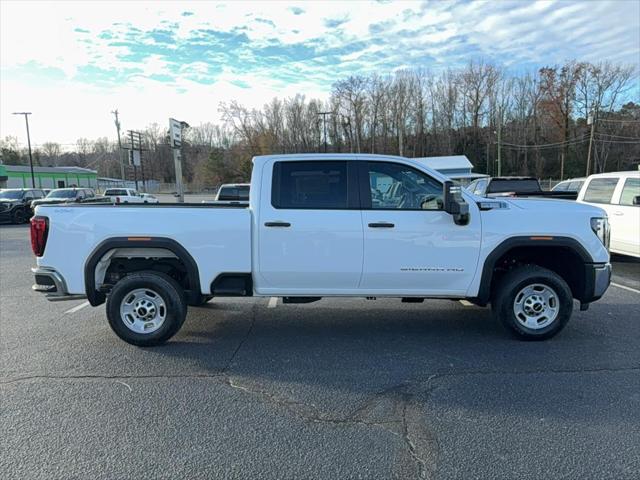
(571, 185)
(321, 225)
(148, 198)
(514, 187)
(124, 195)
(66, 195)
(233, 192)
(15, 204)
(618, 193)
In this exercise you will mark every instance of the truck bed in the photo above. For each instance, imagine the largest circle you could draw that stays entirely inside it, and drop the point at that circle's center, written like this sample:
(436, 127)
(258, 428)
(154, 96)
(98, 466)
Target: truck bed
(218, 237)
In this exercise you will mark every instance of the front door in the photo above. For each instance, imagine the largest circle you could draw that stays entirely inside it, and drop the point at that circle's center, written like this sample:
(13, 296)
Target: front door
(412, 246)
(310, 229)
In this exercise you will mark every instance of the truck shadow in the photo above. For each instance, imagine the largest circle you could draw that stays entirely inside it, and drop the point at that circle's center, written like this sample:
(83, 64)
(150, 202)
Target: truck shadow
(310, 353)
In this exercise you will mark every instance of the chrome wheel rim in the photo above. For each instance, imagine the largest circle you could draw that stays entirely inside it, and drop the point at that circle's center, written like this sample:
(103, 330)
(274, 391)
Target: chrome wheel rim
(143, 311)
(536, 306)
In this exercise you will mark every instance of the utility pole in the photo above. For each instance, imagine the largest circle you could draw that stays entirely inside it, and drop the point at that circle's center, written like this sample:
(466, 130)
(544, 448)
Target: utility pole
(500, 145)
(591, 120)
(324, 123)
(175, 141)
(26, 119)
(120, 152)
(133, 158)
(144, 182)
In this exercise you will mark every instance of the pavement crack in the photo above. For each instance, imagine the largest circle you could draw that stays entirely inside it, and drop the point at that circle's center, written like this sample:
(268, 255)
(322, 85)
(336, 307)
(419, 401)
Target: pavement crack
(413, 451)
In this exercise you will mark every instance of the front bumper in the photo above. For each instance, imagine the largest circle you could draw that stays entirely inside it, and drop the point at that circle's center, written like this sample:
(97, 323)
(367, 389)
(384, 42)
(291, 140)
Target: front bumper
(597, 280)
(52, 284)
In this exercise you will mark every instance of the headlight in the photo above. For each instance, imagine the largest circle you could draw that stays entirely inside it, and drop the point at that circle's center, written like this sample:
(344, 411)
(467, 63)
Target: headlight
(600, 227)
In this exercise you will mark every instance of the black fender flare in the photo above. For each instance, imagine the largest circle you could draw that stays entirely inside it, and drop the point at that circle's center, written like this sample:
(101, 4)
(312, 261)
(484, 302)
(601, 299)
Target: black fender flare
(484, 290)
(96, 298)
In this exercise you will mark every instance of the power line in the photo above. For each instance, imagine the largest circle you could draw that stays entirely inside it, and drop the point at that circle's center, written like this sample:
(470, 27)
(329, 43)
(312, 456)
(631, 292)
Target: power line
(617, 121)
(618, 136)
(547, 145)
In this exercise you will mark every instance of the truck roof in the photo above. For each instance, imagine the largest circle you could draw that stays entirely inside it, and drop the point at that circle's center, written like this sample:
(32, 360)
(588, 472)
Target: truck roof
(329, 156)
(352, 157)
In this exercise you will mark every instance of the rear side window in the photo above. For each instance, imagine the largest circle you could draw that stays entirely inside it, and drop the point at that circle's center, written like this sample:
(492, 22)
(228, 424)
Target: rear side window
(116, 192)
(520, 186)
(243, 192)
(310, 185)
(600, 190)
(575, 186)
(561, 187)
(630, 190)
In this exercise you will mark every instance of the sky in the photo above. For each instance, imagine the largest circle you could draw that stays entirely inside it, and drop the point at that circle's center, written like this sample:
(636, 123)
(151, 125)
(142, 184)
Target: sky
(72, 63)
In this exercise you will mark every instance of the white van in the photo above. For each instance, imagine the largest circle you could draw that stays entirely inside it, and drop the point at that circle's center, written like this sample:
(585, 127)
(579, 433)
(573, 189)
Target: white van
(618, 193)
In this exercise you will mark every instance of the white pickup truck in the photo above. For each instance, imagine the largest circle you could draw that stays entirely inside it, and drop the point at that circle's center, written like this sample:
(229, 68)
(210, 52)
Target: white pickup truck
(321, 225)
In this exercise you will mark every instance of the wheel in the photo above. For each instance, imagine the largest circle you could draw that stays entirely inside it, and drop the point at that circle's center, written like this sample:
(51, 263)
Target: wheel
(201, 301)
(19, 216)
(146, 308)
(533, 302)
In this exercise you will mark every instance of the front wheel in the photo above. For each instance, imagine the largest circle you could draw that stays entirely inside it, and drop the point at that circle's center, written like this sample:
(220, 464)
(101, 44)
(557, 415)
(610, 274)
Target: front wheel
(146, 308)
(533, 302)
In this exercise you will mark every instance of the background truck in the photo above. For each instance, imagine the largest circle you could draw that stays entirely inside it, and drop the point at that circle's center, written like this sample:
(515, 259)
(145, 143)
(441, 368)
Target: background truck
(124, 195)
(515, 187)
(15, 203)
(618, 194)
(327, 226)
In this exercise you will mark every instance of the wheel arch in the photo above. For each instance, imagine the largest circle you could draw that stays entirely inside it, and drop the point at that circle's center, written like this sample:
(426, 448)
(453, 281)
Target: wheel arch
(96, 297)
(537, 246)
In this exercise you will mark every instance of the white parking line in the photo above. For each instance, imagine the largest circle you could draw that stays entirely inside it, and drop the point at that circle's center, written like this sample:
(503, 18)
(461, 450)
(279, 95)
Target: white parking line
(624, 287)
(273, 302)
(77, 308)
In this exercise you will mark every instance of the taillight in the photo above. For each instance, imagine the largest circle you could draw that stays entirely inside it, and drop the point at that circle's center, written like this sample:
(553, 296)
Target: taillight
(39, 231)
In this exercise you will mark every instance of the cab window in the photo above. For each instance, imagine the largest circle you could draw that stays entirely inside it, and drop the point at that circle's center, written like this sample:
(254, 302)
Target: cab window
(310, 185)
(630, 190)
(394, 186)
(600, 190)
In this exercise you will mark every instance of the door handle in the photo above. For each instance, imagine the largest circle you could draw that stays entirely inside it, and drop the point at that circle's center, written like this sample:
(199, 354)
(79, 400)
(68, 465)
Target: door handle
(381, 225)
(277, 224)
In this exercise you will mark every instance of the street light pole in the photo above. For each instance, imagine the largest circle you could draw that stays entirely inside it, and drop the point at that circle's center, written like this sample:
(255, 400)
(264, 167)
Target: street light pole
(26, 119)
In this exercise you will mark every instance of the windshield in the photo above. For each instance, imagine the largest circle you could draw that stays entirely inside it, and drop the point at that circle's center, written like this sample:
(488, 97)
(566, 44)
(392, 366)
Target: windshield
(62, 194)
(11, 194)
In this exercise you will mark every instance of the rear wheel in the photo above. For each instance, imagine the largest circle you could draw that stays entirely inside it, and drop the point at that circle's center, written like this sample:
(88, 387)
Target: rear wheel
(19, 216)
(146, 308)
(533, 302)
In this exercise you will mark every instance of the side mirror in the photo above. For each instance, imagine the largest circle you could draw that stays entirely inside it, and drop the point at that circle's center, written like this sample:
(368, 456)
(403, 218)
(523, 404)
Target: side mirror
(454, 204)
(636, 200)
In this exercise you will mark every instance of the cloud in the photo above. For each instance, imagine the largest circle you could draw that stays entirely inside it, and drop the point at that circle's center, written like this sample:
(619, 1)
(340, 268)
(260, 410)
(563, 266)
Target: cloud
(153, 59)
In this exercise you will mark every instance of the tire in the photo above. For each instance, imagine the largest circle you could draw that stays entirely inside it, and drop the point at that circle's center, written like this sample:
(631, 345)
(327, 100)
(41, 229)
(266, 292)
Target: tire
(201, 301)
(532, 302)
(146, 308)
(19, 216)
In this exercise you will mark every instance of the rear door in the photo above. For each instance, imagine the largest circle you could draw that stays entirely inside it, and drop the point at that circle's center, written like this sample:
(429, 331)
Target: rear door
(627, 217)
(309, 228)
(412, 246)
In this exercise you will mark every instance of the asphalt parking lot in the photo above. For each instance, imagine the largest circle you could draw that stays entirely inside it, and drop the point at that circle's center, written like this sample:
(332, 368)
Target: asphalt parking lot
(335, 389)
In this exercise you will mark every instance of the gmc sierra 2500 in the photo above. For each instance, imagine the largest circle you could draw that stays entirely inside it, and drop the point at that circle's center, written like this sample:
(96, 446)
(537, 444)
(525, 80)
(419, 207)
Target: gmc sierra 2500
(321, 225)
